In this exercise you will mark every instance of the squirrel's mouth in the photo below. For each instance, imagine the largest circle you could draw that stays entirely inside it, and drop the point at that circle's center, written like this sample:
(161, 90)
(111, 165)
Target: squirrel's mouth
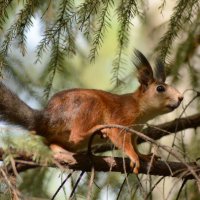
(173, 106)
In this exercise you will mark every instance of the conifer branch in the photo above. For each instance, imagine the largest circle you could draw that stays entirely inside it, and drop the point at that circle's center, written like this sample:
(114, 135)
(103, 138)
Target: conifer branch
(60, 37)
(3, 11)
(108, 164)
(186, 50)
(182, 17)
(19, 28)
(54, 64)
(85, 13)
(103, 23)
(126, 11)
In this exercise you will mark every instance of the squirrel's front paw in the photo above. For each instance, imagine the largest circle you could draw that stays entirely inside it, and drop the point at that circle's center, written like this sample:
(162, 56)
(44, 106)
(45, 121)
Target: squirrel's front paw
(135, 165)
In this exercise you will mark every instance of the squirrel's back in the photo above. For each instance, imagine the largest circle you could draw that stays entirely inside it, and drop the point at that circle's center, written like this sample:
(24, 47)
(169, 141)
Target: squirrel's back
(14, 110)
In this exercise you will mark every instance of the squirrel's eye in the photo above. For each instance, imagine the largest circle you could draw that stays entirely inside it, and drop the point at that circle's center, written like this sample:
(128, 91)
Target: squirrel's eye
(160, 88)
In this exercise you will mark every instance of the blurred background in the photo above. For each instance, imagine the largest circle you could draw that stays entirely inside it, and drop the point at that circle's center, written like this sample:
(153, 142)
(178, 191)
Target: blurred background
(48, 46)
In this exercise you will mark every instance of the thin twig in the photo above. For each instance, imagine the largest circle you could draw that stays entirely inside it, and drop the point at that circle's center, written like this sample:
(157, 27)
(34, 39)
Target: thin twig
(14, 191)
(182, 185)
(91, 181)
(69, 175)
(12, 161)
(151, 190)
(76, 184)
(141, 187)
(121, 187)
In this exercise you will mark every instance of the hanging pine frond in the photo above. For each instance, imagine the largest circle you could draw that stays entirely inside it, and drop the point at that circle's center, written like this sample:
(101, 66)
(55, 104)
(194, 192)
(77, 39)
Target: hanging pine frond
(60, 38)
(126, 11)
(194, 75)
(182, 17)
(3, 11)
(62, 26)
(19, 28)
(85, 15)
(56, 63)
(186, 50)
(103, 24)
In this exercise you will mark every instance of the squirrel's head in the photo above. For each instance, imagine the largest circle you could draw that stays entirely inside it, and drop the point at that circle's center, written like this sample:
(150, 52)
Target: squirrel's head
(155, 96)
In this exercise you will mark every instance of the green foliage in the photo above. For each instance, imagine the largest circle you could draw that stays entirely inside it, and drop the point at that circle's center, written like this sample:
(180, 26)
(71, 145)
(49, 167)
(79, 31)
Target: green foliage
(60, 37)
(185, 52)
(86, 14)
(103, 23)
(90, 19)
(19, 28)
(27, 144)
(3, 11)
(126, 11)
(182, 16)
(31, 180)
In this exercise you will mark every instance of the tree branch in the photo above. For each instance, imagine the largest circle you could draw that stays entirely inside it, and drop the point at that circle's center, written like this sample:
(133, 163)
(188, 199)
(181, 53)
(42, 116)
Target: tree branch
(179, 124)
(106, 164)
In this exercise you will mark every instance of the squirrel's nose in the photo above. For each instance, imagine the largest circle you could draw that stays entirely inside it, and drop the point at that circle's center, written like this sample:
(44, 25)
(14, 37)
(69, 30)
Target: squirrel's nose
(180, 98)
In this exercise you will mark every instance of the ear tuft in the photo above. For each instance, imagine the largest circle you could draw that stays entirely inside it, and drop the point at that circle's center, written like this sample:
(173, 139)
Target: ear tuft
(160, 71)
(145, 73)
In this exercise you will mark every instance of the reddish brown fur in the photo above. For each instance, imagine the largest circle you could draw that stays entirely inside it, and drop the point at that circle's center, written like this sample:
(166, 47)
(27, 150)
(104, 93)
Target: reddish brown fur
(70, 115)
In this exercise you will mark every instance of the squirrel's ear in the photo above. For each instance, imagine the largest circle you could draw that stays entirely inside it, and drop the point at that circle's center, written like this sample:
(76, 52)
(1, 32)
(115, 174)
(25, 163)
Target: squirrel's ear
(145, 72)
(160, 71)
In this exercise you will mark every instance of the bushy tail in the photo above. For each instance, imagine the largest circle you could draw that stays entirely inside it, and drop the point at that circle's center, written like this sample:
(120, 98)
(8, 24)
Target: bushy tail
(14, 110)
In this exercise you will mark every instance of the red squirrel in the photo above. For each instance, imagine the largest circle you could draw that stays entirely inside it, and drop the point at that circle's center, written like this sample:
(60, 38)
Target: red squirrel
(70, 115)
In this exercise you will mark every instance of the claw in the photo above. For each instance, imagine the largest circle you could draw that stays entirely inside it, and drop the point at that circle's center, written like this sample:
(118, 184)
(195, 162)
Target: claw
(135, 165)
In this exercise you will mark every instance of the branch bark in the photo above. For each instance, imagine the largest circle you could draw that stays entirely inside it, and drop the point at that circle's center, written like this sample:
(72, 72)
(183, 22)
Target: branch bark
(84, 162)
(173, 126)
